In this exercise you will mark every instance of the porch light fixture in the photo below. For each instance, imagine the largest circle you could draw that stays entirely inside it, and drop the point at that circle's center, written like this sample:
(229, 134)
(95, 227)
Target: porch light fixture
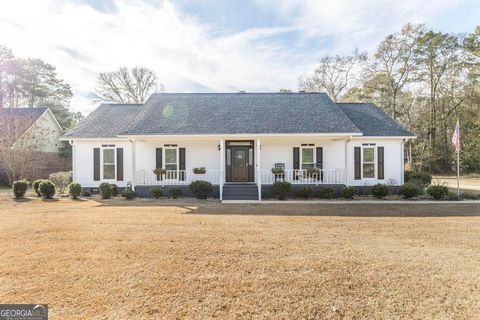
(219, 147)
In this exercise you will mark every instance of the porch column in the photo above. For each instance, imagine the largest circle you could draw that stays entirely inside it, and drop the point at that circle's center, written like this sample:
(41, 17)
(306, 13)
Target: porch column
(133, 164)
(222, 167)
(259, 179)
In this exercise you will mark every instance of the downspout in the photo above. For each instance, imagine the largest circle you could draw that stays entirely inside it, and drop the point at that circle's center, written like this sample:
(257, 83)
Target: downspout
(346, 160)
(70, 142)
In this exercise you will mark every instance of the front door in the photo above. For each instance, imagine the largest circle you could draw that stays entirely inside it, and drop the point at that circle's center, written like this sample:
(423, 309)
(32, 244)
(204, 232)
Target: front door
(239, 164)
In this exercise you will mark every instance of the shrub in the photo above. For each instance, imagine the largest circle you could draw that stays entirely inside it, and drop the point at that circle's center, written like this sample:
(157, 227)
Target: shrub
(327, 193)
(175, 192)
(20, 188)
(281, 189)
(74, 190)
(86, 193)
(349, 192)
(437, 191)
(453, 196)
(201, 189)
(200, 170)
(105, 190)
(410, 190)
(470, 196)
(305, 192)
(61, 180)
(129, 194)
(156, 193)
(114, 189)
(47, 189)
(418, 177)
(35, 185)
(380, 190)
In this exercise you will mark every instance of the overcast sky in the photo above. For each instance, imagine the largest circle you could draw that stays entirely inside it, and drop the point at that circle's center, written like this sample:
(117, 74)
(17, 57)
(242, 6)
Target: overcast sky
(212, 45)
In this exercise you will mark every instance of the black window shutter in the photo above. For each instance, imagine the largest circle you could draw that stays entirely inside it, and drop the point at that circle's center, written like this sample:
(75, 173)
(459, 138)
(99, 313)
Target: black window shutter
(381, 163)
(296, 158)
(320, 162)
(119, 164)
(96, 164)
(296, 161)
(358, 171)
(181, 163)
(158, 161)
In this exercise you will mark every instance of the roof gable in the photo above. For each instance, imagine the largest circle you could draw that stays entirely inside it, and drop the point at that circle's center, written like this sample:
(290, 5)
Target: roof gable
(18, 120)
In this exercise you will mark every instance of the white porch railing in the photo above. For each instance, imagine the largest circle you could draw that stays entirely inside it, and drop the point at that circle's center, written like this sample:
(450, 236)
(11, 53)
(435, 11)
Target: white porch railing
(175, 177)
(302, 176)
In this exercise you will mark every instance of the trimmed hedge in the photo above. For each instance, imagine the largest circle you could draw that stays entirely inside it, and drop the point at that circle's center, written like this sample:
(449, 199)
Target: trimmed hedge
(74, 190)
(349, 192)
(35, 186)
(106, 190)
(156, 193)
(305, 192)
(327, 193)
(19, 188)
(410, 190)
(281, 189)
(201, 189)
(129, 194)
(380, 190)
(175, 192)
(424, 178)
(47, 189)
(437, 191)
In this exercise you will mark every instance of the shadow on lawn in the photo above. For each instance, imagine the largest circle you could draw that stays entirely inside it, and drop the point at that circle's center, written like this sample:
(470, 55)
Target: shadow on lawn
(210, 207)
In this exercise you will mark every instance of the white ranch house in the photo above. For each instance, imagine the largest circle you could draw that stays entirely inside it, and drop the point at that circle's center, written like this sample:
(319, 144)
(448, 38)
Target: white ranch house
(238, 138)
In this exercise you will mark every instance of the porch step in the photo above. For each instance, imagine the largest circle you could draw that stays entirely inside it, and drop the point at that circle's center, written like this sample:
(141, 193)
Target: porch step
(240, 192)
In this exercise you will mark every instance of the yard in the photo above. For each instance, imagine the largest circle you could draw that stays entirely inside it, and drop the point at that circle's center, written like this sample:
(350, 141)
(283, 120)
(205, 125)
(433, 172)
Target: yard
(117, 259)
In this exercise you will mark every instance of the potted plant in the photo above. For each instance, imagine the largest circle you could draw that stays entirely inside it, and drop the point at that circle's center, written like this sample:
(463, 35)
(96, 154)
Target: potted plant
(159, 171)
(279, 173)
(200, 170)
(313, 170)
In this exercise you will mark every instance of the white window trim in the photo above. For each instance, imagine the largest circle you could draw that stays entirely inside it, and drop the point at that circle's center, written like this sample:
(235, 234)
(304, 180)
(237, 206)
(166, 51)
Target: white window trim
(301, 156)
(375, 164)
(165, 160)
(114, 163)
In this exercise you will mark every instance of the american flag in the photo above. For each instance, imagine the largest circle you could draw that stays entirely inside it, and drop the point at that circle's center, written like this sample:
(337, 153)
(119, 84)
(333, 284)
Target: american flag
(456, 138)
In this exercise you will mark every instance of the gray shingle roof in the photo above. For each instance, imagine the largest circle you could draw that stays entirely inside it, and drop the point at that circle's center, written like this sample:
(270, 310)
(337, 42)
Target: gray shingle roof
(372, 121)
(25, 117)
(237, 113)
(107, 121)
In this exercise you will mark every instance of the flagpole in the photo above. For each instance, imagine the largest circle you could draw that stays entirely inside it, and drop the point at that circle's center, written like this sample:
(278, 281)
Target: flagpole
(458, 173)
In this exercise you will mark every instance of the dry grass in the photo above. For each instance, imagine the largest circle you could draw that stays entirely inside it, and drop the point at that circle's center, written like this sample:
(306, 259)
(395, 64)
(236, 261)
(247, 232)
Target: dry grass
(119, 259)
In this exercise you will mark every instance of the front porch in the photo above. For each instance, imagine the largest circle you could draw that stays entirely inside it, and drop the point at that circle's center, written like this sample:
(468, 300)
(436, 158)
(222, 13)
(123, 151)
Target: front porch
(299, 161)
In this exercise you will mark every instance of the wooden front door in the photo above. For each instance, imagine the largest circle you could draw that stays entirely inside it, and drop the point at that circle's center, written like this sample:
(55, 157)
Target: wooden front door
(239, 164)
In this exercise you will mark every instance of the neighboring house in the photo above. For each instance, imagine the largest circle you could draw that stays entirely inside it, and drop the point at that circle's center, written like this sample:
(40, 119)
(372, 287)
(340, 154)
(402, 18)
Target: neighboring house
(36, 133)
(238, 138)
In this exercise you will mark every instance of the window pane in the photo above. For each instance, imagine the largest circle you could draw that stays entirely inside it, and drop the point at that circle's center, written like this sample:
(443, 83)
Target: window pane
(368, 155)
(108, 156)
(170, 167)
(108, 171)
(307, 155)
(170, 156)
(368, 170)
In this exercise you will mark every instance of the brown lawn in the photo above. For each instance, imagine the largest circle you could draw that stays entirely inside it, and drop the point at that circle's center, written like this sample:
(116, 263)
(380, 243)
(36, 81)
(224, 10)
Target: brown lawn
(119, 260)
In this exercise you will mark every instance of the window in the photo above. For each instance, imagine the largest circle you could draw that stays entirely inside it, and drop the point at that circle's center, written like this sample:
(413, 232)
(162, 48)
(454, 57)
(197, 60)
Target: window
(368, 162)
(307, 158)
(171, 158)
(108, 163)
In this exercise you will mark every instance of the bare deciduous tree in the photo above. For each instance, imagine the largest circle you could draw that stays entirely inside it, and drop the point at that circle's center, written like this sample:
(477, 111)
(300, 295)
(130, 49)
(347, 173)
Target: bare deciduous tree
(126, 86)
(333, 74)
